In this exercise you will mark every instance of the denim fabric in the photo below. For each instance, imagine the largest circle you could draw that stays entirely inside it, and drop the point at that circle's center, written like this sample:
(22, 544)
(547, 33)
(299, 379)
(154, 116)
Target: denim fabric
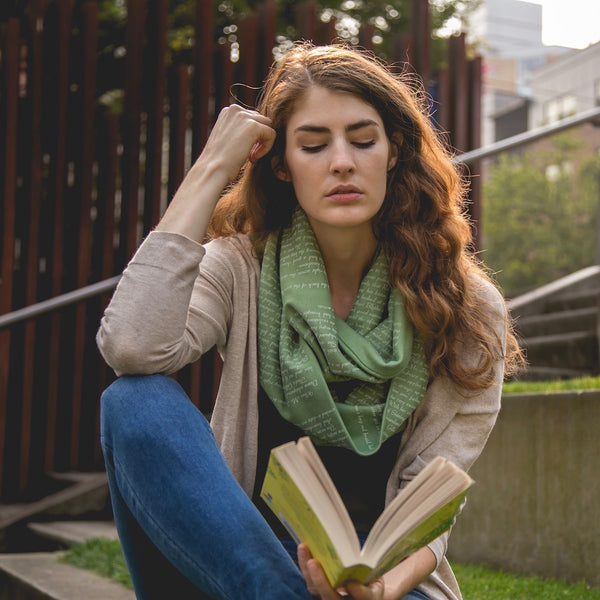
(187, 528)
(415, 595)
(184, 522)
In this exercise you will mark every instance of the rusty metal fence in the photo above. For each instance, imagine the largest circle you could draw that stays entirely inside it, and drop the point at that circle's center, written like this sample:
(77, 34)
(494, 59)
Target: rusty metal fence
(80, 186)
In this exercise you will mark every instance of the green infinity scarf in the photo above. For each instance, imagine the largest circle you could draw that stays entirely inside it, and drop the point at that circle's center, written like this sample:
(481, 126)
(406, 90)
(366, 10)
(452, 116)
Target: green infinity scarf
(346, 383)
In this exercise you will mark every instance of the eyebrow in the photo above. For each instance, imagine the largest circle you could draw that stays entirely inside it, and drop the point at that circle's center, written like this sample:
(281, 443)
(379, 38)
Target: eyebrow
(322, 129)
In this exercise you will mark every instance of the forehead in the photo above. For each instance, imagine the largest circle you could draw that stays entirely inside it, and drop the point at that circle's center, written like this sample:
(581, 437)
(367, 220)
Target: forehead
(323, 107)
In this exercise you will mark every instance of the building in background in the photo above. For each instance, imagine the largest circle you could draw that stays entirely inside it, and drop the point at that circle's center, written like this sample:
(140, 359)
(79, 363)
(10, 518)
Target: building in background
(508, 35)
(565, 86)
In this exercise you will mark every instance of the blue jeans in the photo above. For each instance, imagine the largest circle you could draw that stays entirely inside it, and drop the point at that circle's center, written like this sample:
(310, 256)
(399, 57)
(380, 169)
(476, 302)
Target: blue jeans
(187, 528)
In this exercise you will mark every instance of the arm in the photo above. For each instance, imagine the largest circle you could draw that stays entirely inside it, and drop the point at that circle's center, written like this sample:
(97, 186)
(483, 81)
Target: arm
(236, 132)
(163, 315)
(408, 574)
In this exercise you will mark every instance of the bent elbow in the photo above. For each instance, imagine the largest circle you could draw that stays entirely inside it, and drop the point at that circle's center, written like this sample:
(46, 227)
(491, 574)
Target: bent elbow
(123, 354)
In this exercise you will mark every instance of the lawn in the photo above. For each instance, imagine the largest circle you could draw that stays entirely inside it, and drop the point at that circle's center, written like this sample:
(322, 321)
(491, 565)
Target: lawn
(481, 583)
(563, 385)
(477, 583)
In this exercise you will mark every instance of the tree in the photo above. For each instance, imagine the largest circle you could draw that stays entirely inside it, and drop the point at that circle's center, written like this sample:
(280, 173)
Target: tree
(387, 17)
(539, 214)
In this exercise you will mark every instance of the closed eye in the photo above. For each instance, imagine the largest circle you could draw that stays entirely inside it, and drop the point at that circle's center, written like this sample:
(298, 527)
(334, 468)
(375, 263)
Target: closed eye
(363, 145)
(313, 149)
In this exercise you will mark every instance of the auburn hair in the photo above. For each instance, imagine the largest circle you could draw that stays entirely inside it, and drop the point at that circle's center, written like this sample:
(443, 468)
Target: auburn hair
(422, 226)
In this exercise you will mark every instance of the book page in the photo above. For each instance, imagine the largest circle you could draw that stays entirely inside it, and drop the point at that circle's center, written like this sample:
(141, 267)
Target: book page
(308, 489)
(421, 535)
(404, 496)
(306, 448)
(427, 494)
(293, 510)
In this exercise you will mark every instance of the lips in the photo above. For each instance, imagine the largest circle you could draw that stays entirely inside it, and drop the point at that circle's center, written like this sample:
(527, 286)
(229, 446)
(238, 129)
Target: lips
(344, 193)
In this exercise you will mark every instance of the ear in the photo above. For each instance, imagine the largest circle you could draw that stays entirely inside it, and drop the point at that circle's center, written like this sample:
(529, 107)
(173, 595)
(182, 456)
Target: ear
(280, 170)
(395, 144)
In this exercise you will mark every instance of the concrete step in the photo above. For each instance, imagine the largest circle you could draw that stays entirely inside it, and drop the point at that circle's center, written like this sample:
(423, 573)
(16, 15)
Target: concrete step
(582, 319)
(40, 576)
(67, 533)
(573, 300)
(83, 493)
(577, 350)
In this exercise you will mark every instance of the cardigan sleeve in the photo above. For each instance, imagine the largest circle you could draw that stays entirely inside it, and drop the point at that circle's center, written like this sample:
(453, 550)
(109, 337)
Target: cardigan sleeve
(166, 312)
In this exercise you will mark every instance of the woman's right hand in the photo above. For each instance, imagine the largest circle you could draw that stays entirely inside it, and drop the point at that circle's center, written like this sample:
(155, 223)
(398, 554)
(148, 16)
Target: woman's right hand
(238, 135)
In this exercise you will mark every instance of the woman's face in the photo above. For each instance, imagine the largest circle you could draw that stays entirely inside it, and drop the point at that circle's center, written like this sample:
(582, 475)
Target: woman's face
(337, 156)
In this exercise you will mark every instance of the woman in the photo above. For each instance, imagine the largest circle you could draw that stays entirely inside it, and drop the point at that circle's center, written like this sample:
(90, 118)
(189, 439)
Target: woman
(339, 290)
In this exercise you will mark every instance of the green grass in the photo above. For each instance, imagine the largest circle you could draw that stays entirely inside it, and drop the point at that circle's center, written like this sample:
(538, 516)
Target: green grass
(101, 556)
(477, 583)
(481, 583)
(583, 383)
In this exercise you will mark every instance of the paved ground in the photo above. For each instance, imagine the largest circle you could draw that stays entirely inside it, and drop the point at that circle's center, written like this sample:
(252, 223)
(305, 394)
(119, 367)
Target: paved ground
(40, 576)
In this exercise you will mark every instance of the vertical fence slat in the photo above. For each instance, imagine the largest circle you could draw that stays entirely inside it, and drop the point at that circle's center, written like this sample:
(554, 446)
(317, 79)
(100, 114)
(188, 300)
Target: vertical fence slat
(178, 124)
(8, 140)
(104, 230)
(306, 20)
(442, 113)
(154, 91)
(474, 141)
(131, 130)
(203, 74)
(421, 39)
(365, 36)
(57, 117)
(458, 91)
(223, 76)
(326, 32)
(247, 66)
(85, 144)
(267, 15)
(107, 141)
(33, 178)
(400, 51)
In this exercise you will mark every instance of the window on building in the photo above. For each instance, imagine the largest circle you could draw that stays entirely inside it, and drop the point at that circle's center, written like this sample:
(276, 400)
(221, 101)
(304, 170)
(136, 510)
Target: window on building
(561, 107)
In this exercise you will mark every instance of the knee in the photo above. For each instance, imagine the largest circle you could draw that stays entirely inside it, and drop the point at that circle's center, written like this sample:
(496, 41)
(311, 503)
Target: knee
(131, 400)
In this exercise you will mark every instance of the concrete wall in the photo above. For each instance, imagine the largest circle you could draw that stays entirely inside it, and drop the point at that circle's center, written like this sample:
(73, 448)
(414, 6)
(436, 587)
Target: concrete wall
(535, 507)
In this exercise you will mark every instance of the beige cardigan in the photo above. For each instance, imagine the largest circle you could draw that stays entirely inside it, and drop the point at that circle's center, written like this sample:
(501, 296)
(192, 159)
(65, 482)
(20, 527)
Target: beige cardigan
(167, 311)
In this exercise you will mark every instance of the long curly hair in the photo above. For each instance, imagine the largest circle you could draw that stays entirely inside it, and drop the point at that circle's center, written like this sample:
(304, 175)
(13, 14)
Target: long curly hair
(422, 225)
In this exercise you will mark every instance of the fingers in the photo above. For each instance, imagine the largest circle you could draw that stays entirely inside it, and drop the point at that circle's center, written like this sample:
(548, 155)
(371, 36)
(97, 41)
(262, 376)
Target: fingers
(319, 587)
(374, 591)
(239, 135)
(265, 133)
(317, 583)
(252, 125)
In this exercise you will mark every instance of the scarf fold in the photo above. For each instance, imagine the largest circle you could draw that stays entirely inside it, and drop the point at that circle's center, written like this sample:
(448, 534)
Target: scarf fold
(346, 383)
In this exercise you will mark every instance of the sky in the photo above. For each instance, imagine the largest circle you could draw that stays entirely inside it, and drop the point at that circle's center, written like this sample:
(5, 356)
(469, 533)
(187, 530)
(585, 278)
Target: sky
(571, 23)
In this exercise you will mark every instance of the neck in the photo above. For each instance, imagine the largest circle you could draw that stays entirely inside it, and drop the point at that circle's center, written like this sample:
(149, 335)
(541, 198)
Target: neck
(346, 258)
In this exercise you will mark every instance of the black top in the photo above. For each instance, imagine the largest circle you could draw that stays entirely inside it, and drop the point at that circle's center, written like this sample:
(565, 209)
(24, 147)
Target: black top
(360, 480)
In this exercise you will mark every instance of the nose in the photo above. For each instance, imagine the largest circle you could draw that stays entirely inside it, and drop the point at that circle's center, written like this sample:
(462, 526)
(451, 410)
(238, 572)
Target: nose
(342, 158)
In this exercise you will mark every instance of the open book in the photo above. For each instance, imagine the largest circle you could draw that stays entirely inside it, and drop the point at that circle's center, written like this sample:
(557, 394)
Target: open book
(302, 495)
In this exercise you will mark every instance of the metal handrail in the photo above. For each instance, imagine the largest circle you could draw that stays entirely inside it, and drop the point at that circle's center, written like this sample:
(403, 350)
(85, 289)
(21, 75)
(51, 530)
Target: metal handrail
(527, 137)
(46, 306)
(108, 285)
